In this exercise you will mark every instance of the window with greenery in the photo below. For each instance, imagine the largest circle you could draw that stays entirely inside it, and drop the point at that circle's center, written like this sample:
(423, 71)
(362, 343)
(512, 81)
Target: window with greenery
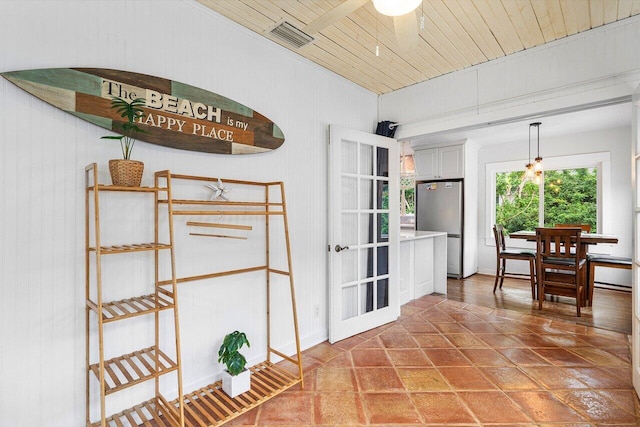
(567, 196)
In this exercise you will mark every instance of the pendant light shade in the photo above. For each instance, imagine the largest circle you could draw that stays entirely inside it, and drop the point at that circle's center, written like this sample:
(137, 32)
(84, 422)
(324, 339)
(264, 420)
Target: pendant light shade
(533, 171)
(396, 7)
(528, 171)
(537, 167)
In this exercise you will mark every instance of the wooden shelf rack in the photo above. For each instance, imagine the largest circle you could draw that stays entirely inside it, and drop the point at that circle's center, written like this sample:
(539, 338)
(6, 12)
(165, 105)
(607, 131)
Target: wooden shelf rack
(147, 364)
(210, 406)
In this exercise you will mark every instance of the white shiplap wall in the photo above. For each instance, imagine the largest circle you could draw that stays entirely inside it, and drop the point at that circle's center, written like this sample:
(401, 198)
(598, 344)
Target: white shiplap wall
(43, 152)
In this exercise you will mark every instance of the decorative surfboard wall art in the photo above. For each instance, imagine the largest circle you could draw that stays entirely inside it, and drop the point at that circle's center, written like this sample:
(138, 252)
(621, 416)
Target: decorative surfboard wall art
(176, 115)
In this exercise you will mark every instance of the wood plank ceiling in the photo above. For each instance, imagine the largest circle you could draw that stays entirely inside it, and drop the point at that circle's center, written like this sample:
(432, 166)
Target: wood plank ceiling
(457, 33)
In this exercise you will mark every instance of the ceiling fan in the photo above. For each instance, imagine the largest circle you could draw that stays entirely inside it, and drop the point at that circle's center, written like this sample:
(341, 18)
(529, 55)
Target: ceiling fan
(402, 11)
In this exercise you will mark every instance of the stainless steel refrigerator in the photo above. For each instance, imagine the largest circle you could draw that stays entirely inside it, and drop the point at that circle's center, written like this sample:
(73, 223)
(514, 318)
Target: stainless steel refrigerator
(439, 207)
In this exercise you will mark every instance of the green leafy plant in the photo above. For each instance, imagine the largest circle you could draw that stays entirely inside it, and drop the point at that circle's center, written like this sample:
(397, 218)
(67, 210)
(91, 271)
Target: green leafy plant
(229, 352)
(132, 111)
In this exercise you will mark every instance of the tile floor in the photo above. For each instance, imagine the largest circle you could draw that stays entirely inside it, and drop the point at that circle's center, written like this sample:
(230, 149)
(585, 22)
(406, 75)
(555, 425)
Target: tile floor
(450, 363)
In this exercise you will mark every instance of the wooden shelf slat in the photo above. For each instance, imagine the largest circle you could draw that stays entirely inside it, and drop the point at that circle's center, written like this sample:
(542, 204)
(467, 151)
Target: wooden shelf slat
(131, 307)
(156, 412)
(210, 406)
(118, 376)
(103, 187)
(133, 247)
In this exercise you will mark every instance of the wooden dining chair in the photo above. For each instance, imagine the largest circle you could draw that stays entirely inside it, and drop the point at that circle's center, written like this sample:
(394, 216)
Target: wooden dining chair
(559, 270)
(503, 254)
(598, 260)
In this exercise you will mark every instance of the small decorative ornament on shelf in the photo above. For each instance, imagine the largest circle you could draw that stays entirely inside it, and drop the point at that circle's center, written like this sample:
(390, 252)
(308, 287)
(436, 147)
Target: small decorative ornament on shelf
(219, 191)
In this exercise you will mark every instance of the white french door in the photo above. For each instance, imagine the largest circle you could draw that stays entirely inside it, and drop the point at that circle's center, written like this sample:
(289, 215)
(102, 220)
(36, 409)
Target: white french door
(635, 173)
(364, 228)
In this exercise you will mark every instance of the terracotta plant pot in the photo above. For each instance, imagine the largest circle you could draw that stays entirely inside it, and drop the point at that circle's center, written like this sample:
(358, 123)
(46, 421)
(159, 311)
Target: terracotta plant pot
(126, 173)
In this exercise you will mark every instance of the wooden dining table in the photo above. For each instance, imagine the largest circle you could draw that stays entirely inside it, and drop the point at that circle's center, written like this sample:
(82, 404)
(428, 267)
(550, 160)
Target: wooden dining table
(586, 239)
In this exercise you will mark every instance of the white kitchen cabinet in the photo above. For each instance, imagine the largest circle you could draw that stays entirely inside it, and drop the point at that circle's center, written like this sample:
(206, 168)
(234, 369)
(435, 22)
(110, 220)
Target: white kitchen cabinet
(423, 264)
(439, 162)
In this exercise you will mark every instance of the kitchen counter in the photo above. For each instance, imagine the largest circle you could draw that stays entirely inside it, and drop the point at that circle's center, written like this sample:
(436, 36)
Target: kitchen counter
(414, 234)
(423, 264)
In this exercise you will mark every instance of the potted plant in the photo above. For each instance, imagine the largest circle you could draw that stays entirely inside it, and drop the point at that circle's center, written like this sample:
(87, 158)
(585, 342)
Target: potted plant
(236, 379)
(126, 172)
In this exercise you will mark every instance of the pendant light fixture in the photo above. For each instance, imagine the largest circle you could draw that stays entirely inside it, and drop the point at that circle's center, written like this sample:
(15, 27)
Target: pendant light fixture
(396, 7)
(537, 167)
(528, 171)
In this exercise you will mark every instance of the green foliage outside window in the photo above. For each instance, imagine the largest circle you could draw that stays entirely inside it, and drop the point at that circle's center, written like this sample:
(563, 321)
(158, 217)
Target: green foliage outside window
(570, 196)
(516, 202)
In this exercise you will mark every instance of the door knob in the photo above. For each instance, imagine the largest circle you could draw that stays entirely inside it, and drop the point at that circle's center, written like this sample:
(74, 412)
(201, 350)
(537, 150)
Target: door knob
(339, 248)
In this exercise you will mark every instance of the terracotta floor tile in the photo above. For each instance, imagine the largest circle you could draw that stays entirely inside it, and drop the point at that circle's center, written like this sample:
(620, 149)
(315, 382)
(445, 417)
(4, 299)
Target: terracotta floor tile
(309, 363)
(544, 406)
(599, 357)
(463, 316)
(535, 341)
(553, 377)
(500, 340)
(522, 356)
(603, 341)
(446, 357)
(323, 352)
(342, 361)
(292, 409)
(432, 341)
(419, 327)
(510, 378)
(335, 379)
(485, 357)
(423, 379)
(338, 408)
(378, 379)
(409, 310)
(625, 399)
(373, 342)
(493, 407)
(566, 340)
(445, 408)
(390, 408)
(436, 315)
(466, 378)
(451, 328)
(247, 419)
(408, 357)
(595, 406)
(394, 340)
(481, 327)
(349, 343)
(465, 340)
(370, 357)
(562, 357)
(597, 377)
(511, 327)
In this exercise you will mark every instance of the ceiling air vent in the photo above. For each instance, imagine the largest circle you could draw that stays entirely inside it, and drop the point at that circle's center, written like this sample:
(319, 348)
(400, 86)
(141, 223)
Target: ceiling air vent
(291, 35)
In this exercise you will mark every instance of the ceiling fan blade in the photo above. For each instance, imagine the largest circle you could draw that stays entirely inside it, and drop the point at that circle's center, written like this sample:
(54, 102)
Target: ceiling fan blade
(334, 15)
(406, 27)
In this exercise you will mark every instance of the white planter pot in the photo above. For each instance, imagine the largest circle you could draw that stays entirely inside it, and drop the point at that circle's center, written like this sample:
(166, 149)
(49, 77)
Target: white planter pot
(235, 385)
